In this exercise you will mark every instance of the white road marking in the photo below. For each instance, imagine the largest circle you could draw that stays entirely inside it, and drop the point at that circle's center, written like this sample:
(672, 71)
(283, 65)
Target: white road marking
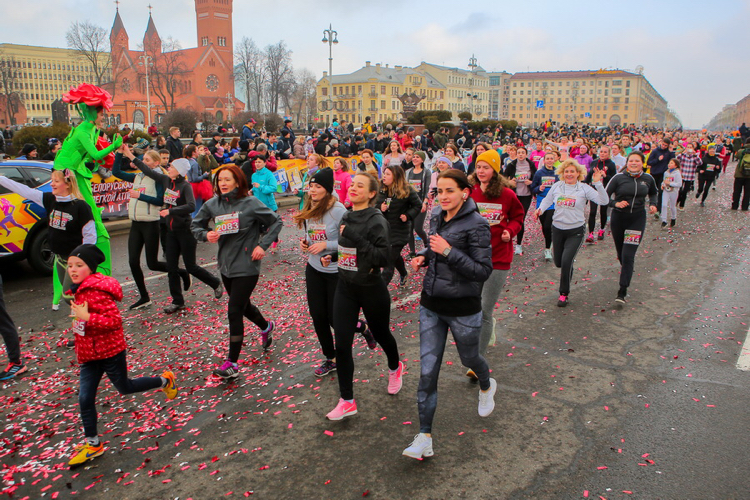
(162, 275)
(743, 361)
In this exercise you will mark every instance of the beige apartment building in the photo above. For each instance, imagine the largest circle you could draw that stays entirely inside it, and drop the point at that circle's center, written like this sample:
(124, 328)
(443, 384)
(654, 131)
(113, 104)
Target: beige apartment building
(44, 75)
(499, 95)
(599, 98)
(465, 90)
(731, 116)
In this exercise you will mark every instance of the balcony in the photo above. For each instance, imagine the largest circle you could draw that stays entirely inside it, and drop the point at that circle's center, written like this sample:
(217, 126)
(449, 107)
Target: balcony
(372, 109)
(373, 94)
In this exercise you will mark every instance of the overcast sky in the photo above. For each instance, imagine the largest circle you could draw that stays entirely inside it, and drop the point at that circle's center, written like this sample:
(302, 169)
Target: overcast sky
(694, 52)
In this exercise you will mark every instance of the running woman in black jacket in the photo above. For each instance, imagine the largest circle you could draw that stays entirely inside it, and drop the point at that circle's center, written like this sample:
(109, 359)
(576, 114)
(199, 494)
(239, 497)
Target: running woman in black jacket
(628, 221)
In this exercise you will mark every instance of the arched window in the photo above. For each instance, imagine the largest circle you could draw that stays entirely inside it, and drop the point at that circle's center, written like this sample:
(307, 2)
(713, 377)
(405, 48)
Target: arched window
(219, 116)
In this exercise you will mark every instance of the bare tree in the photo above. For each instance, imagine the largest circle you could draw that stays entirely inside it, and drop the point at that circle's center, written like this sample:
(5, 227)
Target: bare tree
(251, 72)
(302, 99)
(10, 86)
(280, 74)
(91, 43)
(167, 71)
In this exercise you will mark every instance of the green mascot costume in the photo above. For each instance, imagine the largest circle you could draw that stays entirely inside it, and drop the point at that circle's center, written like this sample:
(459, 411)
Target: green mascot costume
(79, 154)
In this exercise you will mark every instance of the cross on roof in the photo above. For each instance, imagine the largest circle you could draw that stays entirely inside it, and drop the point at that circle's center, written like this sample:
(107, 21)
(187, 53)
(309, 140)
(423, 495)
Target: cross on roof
(149, 9)
(117, 3)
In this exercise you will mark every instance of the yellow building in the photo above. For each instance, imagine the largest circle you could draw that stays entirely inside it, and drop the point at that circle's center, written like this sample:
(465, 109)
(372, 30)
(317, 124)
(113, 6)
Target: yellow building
(374, 91)
(599, 98)
(465, 90)
(44, 75)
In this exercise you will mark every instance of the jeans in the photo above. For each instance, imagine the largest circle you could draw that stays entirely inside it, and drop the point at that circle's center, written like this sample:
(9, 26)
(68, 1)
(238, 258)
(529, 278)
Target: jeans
(116, 369)
(740, 185)
(565, 246)
(394, 261)
(182, 242)
(419, 229)
(622, 221)
(659, 178)
(490, 294)
(525, 203)
(239, 307)
(9, 331)
(321, 288)
(145, 235)
(433, 334)
(376, 306)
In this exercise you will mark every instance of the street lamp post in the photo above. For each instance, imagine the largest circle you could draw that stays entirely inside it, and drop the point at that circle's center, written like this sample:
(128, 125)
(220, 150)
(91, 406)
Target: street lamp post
(146, 61)
(330, 36)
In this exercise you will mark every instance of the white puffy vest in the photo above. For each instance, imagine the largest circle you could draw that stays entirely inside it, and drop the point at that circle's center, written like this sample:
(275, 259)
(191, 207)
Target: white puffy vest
(142, 211)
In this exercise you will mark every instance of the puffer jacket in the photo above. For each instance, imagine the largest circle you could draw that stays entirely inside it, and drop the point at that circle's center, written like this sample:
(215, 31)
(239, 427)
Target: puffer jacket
(469, 264)
(100, 337)
(363, 246)
(409, 206)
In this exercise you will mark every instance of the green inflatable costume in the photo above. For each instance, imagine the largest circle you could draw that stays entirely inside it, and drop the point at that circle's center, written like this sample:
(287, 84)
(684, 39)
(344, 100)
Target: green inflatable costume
(80, 155)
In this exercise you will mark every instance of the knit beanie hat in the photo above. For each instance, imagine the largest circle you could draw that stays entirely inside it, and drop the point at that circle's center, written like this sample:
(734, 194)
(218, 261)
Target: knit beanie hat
(446, 160)
(324, 177)
(90, 254)
(27, 148)
(420, 154)
(182, 166)
(492, 157)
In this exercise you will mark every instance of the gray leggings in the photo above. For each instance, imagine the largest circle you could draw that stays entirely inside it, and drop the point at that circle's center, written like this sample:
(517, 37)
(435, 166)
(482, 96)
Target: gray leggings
(433, 334)
(490, 293)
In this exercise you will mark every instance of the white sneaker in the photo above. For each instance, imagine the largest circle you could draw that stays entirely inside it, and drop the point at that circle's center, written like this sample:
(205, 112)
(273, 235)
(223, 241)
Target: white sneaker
(493, 337)
(487, 399)
(55, 307)
(547, 254)
(420, 447)
(518, 250)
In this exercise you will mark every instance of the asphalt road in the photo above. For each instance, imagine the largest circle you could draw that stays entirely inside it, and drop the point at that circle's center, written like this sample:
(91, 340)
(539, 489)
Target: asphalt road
(593, 402)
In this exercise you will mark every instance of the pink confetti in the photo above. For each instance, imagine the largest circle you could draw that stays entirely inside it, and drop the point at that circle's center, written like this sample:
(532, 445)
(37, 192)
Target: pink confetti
(328, 433)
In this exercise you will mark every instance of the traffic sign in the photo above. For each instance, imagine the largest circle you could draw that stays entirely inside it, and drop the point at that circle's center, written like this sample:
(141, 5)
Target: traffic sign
(587, 115)
(539, 104)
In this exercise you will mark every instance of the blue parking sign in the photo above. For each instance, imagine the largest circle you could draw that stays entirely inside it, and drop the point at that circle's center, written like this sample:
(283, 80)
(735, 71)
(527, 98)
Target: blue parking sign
(587, 115)
(540, 104)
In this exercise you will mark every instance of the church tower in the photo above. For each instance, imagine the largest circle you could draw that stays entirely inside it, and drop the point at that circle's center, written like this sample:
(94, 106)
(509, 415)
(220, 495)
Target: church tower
(214, 19)
(118, 37)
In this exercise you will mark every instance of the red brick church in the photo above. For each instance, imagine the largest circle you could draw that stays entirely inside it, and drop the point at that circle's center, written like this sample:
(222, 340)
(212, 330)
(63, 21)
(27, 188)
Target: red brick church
(201, 77)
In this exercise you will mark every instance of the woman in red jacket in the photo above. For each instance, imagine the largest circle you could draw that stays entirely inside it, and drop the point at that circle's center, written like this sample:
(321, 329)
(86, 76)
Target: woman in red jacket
(100, 344)
(500, 206)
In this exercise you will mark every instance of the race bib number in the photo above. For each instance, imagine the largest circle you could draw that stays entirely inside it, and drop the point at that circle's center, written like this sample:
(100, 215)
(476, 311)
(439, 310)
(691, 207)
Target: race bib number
(547, 182)
(228, 223)
(59, 219)
(316, 233)
(337, 185)
(388, 202)
(632, 237)
(668, 180)
(79, 327)
(348, 258)
(140, 189)
(521, 177)
(493, 212)
(170, 197)
(565, 202)
(710, 167)
(416, 184)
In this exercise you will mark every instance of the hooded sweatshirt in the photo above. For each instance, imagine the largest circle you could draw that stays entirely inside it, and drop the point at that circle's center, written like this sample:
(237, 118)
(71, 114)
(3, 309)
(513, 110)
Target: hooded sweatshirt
(267, 187)
(341, 182)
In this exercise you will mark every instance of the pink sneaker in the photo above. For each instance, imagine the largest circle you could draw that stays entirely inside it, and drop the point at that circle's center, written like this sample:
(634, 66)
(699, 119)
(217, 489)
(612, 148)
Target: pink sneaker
(394, 379)
(343, 409)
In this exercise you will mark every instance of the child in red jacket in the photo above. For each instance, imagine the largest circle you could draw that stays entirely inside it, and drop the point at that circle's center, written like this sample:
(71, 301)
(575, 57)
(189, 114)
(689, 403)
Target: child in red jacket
(100, 344)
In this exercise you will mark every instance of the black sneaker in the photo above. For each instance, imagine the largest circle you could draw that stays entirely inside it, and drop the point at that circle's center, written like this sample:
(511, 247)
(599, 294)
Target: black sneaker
(562, 301)
(703, 204)
(621, 294)
(227, 370)
(142, 302)
(70, 344)
(327, 367)
(219, 291)
(173, 308)
(186, 281)
(663, 224)
(13, 370)
(266, 335)
(672, 222)
(402, 283)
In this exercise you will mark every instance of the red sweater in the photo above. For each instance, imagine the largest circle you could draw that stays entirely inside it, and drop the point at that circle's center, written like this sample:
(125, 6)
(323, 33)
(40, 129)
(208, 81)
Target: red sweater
(504, 212)
(101, 336)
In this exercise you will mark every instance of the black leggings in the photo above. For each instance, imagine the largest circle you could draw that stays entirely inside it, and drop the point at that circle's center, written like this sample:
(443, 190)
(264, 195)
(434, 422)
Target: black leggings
(592, 215)
(418, 225)
(145, 234)
(376, 306)
(240, 289)
(182, 242)
(526, 203)
(321, 288)
(394, 261)
(687, 186)
(566, 243)
(704, 186)
(620, 222)
(546, 220)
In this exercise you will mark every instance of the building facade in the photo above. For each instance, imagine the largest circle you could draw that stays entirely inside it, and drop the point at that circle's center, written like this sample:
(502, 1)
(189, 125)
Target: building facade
(374, 91)
(599, 98)
(197, 78)
(43, 75)
(731, 116)
(499, 95)
(465, 90)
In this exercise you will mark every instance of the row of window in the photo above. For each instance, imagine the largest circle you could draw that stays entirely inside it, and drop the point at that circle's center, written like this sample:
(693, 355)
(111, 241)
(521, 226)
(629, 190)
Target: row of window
(221, 41)
(45, 65)
(615, 83)
(616, 107)
(346, 90)
(460, 80)
(559, 116)
(528, 100)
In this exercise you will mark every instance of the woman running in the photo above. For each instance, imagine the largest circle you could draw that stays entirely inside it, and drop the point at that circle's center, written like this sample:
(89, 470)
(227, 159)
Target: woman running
(179, 203)
(628, 221)
(569, 196)
(363, 250)
(707, 173)
(520, 173)
(71, 223)
(544, 178)
(321, 219)
(608, 168)
(419, 178)
(500, 206)
(400, 205)
(238, 218)
(451, 299)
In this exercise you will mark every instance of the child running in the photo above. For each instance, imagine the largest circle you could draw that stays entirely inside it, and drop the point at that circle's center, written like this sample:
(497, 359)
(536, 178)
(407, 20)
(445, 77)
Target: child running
(100, 344)
(671, 187)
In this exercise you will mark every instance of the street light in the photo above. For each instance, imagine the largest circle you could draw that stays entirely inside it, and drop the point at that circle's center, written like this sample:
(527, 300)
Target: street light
(146, 61)
(330, 36)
